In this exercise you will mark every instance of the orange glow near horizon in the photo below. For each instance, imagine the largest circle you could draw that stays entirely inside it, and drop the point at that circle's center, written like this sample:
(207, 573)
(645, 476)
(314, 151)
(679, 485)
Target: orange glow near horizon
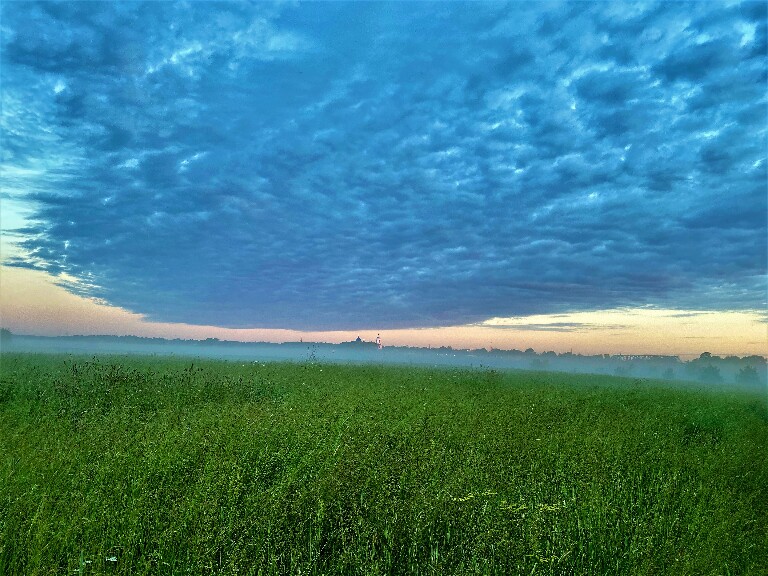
(31, 303)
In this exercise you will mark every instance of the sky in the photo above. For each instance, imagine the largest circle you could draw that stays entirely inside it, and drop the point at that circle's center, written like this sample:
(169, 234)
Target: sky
(570, 175)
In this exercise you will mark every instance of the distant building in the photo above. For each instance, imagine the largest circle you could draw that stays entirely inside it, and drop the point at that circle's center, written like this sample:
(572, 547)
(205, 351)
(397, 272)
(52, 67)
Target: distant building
(359, 344)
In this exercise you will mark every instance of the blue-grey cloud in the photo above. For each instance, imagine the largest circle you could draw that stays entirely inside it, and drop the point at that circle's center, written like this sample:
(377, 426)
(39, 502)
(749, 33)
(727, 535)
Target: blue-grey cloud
(390, 164)
(556, 327)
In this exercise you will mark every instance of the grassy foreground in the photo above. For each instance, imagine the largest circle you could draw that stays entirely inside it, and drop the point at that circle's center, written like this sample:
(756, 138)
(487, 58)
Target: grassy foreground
(165, 466)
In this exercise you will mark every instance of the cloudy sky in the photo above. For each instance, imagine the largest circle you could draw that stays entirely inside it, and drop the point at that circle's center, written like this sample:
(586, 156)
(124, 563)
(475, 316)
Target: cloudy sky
(333, 167)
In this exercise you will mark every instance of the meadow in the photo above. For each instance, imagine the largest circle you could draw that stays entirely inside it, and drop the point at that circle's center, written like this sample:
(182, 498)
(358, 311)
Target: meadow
(152, 465)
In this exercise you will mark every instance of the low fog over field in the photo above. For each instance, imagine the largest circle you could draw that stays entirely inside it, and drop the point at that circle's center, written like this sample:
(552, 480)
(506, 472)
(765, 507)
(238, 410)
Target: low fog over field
(748, 371)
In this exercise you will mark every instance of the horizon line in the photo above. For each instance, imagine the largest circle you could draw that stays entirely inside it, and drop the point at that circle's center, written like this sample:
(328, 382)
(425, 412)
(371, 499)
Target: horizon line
(679, 355)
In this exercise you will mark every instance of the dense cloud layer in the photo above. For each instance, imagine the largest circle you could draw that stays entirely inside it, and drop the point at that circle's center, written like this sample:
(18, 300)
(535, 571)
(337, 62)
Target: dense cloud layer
(382, 165)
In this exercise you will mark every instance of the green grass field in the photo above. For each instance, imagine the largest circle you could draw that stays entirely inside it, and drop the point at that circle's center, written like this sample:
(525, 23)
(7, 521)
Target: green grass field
(126, 465)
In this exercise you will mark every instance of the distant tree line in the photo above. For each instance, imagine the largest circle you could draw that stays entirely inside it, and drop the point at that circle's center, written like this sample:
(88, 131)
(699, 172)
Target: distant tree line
(708, 368)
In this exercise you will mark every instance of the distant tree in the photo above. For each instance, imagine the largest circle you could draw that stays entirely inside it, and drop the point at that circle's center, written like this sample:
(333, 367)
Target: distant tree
(747, 375)
(711, 374)
(668, 374)
(5, 336)
(539, 364)
(705, 356)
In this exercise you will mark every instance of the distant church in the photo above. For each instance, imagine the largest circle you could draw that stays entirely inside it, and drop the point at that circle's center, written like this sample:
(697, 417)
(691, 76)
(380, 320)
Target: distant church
(363, 343)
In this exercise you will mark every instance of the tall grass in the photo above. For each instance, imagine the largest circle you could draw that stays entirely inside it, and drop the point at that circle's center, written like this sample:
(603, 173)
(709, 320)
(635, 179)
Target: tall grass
(161, 466)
